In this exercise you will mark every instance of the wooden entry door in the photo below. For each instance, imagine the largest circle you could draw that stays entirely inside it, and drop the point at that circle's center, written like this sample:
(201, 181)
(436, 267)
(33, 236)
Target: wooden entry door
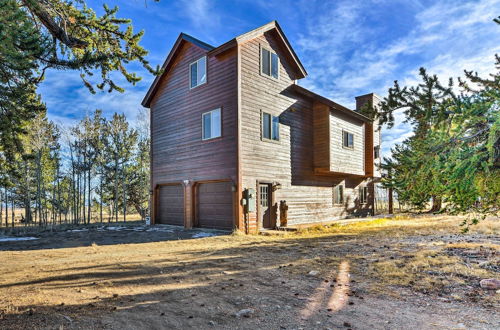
(265, 199)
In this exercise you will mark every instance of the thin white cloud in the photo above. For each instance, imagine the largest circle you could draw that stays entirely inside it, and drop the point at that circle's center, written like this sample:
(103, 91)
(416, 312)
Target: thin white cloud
(202, 15)
(68, 100)
(348, 58)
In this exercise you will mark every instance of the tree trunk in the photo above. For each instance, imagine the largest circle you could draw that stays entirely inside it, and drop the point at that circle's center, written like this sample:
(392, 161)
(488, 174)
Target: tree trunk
(100, 197)
(13, 209)
(1, 206)
(59, 202)
(436, 204)
(89, 214)
(391, 201)
(124, 197)
(6, 208)
(84, 195)
(38, 198)
(116, 190)
(27, 196)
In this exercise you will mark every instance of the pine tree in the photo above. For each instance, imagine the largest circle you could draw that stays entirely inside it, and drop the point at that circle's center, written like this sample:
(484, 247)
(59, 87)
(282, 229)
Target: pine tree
(20, 45)
(454, 155)
(120, 146)
(74, 37)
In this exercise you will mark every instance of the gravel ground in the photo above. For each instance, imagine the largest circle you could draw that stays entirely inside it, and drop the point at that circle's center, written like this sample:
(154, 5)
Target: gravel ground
(339, 278)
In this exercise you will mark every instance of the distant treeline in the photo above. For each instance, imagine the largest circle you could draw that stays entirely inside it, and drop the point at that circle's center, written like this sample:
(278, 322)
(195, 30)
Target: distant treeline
(95, 170)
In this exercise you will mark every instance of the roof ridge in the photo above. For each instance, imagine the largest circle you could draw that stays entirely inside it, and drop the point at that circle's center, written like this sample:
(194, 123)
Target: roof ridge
(196, 41)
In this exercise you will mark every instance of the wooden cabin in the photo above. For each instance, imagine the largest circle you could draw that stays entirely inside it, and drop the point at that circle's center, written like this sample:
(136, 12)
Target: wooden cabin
(236, 143)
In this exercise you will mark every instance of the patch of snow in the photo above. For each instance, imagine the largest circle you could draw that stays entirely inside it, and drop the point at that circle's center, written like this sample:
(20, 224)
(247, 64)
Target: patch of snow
(13, 239)
(115, 228)
(202, 234)
(160, 229)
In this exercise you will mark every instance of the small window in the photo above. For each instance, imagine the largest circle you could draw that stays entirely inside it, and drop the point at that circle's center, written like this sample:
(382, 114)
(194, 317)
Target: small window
(269, 63)
(264, 195)
(363, 195)
(198, 72)
(270, 127)
(376, 152)
(347, 140)
(211, 124)
(338, 195)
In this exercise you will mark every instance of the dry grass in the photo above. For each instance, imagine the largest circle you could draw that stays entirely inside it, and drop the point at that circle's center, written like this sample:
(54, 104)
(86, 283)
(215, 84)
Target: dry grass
(402, 225)
(428, 270)
(385, 256)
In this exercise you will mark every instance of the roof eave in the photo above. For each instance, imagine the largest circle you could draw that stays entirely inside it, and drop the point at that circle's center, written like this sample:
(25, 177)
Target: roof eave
(330, 103)
(183, 37)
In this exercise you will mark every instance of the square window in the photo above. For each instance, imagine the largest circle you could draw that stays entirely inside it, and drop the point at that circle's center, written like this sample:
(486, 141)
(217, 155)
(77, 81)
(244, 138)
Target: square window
(269, 63)
(338, 194)
(363, 195)
(266, 65)
(270, 127)
(211, 124)
(347, 140)
(198, 72)
(274, 65)
(275, 128)
(266, 125)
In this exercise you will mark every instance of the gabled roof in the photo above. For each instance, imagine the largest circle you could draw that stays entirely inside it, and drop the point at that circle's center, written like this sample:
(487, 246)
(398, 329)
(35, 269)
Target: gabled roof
(183, 37)
(302, 73)
(271, 26)
(303, 91)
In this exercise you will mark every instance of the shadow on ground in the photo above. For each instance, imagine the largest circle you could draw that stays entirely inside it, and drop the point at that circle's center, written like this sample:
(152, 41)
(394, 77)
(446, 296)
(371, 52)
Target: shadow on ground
(107, 235)
(203, 284)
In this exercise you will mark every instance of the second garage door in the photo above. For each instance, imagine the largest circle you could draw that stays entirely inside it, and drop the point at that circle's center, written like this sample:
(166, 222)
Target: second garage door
(171, 205)
(215, 205)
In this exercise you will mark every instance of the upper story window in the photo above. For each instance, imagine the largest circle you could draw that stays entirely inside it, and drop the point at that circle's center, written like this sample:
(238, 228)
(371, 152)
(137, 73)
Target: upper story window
(270, 127)
(347, 140)
(269, 63)
(363, 195)
(376, 152)
(198, 72)
(211, 124)
(338, 194)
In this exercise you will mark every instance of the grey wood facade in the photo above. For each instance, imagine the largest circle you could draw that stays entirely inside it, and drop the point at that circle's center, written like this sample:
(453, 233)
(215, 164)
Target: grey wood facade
(302, 167)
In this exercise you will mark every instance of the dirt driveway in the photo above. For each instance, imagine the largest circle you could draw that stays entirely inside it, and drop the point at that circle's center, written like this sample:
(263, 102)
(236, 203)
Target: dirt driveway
(387, 274)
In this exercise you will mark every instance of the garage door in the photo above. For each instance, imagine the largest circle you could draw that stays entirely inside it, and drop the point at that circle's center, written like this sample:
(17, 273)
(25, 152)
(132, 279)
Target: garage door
(215, 205)
(171, 205)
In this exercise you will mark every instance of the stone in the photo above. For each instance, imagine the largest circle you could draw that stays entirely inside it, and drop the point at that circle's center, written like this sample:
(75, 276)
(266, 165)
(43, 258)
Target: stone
(313, 273)
(490, 284)
(247, 312)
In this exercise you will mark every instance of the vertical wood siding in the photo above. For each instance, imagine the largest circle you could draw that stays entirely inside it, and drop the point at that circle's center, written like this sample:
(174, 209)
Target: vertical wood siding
(178, 152)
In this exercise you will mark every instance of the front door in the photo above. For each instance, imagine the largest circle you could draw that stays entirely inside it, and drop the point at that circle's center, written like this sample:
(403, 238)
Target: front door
(265, 205)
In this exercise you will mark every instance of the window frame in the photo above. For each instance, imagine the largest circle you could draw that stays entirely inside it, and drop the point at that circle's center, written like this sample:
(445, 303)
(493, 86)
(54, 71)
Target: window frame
(190, 69)
(270, 75)
(336, 194)
(271, 130)
(203, 124)
(344, 132)
(363, 195)
(376, 152)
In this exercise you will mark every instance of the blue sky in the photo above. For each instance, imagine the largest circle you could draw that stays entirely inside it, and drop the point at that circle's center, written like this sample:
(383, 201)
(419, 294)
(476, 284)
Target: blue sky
(349, 47)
